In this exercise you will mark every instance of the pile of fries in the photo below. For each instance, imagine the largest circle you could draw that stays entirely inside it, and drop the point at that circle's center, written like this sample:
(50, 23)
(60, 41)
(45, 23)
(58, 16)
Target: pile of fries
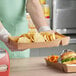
(32, 37)
(36, 37)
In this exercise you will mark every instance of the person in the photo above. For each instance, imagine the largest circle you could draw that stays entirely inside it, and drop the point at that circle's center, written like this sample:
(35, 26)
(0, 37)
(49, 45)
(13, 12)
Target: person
(14, 23)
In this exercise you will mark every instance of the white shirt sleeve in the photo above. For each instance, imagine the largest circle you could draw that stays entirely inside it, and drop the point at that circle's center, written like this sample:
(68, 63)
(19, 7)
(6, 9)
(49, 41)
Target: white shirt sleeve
(44, 28)
(4, 34)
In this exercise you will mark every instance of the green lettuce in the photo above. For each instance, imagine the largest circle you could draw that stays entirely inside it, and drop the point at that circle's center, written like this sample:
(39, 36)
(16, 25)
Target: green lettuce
(68, 59)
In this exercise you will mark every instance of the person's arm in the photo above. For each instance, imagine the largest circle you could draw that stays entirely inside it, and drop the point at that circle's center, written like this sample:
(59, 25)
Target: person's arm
(3, 33)
(35, 10)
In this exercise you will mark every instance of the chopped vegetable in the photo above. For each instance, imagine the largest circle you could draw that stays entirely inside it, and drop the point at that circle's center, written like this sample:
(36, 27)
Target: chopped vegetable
(53, 58)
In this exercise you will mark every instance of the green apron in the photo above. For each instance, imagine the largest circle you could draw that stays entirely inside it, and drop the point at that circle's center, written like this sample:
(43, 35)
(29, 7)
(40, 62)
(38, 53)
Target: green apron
(13, 17)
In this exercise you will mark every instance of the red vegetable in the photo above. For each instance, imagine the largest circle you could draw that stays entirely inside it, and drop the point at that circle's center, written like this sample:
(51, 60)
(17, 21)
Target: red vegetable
(53, 58)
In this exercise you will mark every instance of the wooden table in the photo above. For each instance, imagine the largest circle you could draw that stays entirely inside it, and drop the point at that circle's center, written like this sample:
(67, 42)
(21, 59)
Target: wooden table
(34, 67)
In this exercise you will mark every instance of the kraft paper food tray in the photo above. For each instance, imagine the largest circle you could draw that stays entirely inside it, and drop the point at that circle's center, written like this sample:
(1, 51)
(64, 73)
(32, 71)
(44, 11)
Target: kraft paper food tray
(65, 40)
(55, 43)
(21, 46)
(62, 67)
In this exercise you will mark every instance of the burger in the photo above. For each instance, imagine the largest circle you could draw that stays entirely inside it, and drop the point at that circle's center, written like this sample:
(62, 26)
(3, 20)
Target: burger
(68, 57)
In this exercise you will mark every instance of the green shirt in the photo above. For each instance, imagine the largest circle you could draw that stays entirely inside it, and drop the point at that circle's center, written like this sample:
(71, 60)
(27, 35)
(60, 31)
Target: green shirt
(13, 17)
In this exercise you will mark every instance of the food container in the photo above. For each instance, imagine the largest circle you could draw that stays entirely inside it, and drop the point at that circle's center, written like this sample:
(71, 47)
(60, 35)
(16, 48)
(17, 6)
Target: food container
(4, 63)
(62, 67)
(42, 1)
(46, 9)
(64, 40)
(54, 43)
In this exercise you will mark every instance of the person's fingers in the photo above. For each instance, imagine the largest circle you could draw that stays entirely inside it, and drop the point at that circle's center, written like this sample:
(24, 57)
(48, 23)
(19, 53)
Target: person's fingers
(52, 31)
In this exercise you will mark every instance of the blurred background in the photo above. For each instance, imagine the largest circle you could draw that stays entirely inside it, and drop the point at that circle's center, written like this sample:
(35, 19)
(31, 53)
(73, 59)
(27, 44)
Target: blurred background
(57, 15)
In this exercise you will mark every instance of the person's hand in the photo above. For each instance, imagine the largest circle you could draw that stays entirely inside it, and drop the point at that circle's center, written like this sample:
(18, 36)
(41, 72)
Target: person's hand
(51, 31)
(12, 47)
(4, 34)
(46, 29)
